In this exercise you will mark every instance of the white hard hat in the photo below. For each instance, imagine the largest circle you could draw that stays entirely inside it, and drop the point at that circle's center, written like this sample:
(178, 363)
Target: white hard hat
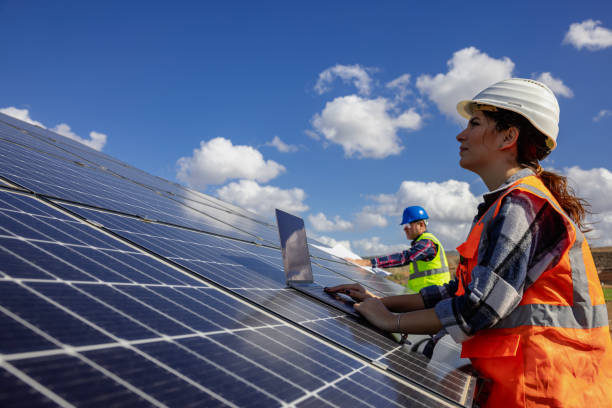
(531, 99)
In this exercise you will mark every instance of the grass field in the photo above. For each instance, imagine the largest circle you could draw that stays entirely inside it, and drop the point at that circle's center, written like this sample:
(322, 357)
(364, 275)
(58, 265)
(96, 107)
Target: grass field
(608, 293)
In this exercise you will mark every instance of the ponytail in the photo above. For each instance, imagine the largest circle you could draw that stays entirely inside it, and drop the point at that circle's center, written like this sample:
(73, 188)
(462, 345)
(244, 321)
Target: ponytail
(577, 208)
(532, 148)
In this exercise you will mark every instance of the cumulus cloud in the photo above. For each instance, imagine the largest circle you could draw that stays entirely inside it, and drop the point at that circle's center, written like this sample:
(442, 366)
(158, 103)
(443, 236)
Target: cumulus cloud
(604, 113)
(372, 246)
(21, 114)
(368, 218)
(356, 74)
(450, 200)
(96, 141)
(263, 200)
(589, 34)
(218, 160)
(400, 85)
(321, 223)
(556, 85)
(312, 134)
(450, 204)
(364, 127)
(282, 146)
(332, 243)
(589, 184)
(469, 72)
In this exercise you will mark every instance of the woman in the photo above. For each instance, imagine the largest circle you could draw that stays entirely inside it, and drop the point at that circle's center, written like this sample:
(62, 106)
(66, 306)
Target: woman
(527, 305)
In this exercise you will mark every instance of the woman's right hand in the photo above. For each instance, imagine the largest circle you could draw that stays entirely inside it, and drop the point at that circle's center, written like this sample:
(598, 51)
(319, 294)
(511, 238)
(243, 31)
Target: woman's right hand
(354, 290)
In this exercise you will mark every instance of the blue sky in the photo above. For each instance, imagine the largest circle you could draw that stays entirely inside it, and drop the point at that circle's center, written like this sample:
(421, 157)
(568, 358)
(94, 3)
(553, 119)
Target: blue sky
(342, 112)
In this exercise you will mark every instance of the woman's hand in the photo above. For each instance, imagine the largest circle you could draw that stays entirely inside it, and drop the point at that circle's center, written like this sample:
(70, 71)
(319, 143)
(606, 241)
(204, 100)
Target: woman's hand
(376, 313)
(354, 290)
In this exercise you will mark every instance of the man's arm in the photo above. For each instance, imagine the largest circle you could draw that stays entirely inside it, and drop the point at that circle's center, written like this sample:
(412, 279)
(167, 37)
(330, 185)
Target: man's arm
(422, 250)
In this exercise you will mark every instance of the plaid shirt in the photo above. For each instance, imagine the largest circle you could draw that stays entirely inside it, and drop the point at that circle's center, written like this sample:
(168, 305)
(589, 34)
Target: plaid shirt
(423, 250)
(527, 233)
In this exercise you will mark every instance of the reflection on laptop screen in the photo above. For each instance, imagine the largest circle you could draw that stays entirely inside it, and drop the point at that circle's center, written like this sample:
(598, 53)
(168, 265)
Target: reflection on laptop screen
(296, 258)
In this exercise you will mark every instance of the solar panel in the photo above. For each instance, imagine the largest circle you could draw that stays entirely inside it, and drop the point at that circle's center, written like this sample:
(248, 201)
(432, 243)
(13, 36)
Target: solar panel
(100, 305)
(43, 140)
(71, 179)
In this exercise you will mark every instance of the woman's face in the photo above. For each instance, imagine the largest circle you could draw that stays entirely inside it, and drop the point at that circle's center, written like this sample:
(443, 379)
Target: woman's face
(479, 143)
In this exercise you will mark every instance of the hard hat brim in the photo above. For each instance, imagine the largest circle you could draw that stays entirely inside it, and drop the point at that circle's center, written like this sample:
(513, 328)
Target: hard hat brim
(465, 108)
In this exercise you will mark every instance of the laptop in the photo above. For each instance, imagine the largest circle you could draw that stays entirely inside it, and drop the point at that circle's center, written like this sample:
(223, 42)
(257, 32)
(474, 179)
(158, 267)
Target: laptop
(296, 261)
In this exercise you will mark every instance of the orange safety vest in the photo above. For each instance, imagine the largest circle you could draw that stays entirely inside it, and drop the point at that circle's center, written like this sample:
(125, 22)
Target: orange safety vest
(554, 348)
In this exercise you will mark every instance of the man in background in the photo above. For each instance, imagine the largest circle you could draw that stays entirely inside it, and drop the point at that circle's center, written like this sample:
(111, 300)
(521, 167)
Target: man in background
(426, 257)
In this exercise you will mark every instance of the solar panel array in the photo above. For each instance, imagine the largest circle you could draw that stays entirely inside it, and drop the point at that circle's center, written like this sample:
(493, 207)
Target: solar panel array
(121, 288)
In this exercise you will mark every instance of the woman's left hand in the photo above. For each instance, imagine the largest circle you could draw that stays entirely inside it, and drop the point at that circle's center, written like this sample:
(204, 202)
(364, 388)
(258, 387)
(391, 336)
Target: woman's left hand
(376, 313)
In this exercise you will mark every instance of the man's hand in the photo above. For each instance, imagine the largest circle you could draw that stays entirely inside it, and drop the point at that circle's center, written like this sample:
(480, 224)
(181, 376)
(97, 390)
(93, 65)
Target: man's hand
(354, 290)
(376, 313)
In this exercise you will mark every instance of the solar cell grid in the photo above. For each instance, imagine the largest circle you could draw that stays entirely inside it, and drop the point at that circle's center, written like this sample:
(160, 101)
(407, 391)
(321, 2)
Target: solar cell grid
(84, 184)
(138, 343)
(238, 271)
(136, 329)
(19, 393)
(32, 138)
(223, 260)
(352, 272)
(257, 228)
(43, 141)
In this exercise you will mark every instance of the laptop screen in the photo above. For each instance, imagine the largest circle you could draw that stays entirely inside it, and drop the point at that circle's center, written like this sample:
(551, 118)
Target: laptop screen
(296, 259)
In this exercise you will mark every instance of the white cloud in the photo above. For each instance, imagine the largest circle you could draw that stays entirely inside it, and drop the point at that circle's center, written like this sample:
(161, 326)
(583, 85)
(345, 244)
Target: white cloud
(400, 82)
(470, 71)
(263, 199)
(450, 205)
(97, 140)
(450, 200)
(595, 186)
(348, 73)
(592, 185)
(400, 85)
(556, 85)
(321, 223)
(312, 134)
(282, 146)
(372, 246)
(218, 160)
(602, 114)
(331, 242)
(364, 127)
(21, 114)
(589, 34)
(368, 218)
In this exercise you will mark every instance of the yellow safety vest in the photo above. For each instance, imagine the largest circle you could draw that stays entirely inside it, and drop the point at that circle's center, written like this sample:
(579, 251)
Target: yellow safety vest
(427, 273)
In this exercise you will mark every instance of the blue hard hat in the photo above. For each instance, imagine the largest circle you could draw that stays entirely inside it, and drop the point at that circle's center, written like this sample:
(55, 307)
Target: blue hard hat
(414, 213)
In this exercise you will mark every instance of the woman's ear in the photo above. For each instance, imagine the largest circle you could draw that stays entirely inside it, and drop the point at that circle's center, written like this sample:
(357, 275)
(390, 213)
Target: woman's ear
(510, 138)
